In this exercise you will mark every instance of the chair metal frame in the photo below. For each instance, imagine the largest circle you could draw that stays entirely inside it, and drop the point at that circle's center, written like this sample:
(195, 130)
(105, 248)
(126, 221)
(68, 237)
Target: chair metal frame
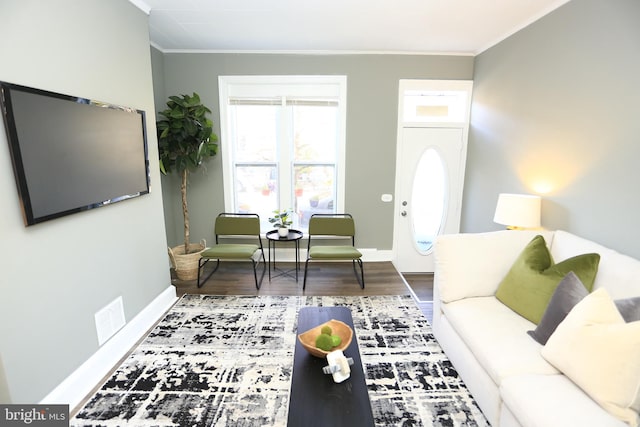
(325, 233)
(237, 231)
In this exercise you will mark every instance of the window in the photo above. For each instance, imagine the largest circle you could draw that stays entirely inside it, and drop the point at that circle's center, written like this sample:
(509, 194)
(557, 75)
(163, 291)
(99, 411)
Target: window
(283, 145)
(445, 106)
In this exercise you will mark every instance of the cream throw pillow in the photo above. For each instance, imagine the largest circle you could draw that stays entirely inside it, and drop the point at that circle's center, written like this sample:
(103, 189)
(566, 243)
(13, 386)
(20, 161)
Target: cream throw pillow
(597, 350)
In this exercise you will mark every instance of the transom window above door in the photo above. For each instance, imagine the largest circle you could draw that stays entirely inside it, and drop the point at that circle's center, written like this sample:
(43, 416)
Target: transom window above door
(283, 145)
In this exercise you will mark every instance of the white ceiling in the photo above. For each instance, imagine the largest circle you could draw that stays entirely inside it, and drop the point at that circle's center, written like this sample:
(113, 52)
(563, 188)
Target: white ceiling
(465, 27)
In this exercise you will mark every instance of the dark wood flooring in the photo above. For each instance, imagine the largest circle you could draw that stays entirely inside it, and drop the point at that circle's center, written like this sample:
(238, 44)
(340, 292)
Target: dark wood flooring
(331, 278)
(421, 284)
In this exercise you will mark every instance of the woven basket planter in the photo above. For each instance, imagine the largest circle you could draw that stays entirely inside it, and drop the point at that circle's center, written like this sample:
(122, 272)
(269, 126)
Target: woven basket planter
(186, 266)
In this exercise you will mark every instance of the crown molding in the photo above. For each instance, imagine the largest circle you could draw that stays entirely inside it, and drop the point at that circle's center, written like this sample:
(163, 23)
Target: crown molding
(313, 52)
(552, 7)
(140, 4)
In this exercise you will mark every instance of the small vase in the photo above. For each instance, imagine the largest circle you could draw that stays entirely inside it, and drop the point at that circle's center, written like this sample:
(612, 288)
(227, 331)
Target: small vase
(283, 232)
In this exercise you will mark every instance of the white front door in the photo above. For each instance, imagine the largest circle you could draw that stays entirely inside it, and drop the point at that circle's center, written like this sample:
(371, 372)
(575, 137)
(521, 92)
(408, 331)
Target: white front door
(429, 197)
(429, 171)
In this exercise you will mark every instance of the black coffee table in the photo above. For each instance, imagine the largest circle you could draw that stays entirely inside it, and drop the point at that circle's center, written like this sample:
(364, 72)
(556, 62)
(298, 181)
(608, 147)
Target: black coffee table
(316, 400)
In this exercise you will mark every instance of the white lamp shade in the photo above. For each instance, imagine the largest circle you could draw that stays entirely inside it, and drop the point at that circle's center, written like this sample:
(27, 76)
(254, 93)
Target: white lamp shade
(518, 210)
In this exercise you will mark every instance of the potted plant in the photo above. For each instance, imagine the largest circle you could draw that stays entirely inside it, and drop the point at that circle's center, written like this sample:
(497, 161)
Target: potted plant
(185, 140)
(281, 221)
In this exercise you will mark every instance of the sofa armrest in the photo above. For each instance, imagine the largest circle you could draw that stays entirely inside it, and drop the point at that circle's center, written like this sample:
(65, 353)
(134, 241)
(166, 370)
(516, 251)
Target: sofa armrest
(473, 264)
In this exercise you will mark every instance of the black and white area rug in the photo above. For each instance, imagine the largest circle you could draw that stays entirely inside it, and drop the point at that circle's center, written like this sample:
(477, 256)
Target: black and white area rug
(228, 360)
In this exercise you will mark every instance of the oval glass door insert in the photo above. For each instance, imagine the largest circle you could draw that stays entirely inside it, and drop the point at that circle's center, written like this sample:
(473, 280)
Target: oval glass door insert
(428, 200)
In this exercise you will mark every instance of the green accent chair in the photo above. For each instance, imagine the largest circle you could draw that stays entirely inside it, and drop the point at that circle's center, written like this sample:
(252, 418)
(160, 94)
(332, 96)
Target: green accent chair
(332, 238)
(235, 224)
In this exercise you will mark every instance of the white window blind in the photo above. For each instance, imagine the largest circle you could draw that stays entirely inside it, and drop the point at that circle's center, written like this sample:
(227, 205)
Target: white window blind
(284, 145)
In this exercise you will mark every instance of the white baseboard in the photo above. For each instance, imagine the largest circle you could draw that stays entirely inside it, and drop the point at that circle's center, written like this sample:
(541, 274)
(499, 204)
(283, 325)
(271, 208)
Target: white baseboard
(368, 255)
(375, 255)
(83, 380)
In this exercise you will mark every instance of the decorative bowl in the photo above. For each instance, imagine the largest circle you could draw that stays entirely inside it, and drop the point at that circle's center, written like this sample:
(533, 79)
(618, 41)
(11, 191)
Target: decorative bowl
(308, 338)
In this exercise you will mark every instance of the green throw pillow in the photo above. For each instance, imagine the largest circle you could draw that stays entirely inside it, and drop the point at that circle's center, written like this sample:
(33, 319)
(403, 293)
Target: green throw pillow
(528, 286)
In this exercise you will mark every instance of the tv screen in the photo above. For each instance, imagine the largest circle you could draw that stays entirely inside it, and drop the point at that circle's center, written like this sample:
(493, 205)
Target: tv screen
(71, 154)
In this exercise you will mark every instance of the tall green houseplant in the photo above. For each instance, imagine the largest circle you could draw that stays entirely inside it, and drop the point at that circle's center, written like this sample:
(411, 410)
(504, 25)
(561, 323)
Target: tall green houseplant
(185, 140)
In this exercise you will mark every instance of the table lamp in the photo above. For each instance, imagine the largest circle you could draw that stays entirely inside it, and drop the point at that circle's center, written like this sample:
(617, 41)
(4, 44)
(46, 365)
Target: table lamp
(518, 211)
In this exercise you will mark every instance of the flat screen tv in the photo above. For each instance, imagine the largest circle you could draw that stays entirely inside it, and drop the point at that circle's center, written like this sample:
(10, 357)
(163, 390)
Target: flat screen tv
(71, 154)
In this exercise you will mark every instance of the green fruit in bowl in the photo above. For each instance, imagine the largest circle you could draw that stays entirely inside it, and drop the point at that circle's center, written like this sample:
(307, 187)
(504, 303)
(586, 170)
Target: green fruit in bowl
(326, 330)
(335, 340)
(324, 342)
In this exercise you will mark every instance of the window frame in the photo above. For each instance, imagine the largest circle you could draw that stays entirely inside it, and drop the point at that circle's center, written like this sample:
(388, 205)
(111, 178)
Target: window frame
(274, 86)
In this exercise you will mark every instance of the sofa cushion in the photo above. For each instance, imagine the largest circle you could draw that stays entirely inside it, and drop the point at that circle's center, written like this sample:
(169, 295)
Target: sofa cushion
(617, 272)
(553, 400)
(497, 337)
(629, 308)
(599, 352)
(569, 292)
(486, 258)
(531, 281)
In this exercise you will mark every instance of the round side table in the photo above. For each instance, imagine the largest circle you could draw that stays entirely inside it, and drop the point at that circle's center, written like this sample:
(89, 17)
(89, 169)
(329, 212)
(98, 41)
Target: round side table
(272, 238)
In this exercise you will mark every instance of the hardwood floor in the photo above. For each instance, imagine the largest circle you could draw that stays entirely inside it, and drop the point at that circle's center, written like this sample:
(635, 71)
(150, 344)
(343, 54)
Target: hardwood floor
(336, 278)
(331, 278)
(422, 286)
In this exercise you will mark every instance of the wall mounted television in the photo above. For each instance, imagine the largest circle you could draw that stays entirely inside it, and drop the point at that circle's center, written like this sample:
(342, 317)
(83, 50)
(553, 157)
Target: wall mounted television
(71, 154)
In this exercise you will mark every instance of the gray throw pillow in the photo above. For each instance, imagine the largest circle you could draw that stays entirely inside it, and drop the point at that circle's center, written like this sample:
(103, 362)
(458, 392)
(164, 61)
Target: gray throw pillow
(569, 292)
(629, 308)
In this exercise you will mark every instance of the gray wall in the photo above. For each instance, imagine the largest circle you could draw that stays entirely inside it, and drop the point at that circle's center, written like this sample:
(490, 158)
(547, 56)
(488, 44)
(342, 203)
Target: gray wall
(57, 274)
(559, 103)
(372, 104)
(170, 183)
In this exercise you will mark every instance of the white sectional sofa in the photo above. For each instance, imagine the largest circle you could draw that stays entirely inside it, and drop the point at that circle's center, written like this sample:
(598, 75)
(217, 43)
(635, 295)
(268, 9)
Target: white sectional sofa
(487, 342)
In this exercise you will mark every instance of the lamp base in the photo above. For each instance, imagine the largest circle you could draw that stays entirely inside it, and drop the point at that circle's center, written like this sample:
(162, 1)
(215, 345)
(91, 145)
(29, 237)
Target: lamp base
(515, 227)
